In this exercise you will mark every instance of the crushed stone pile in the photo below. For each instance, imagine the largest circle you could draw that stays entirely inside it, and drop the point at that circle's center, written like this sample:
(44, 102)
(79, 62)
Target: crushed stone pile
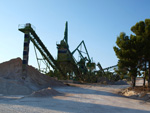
(11, 82)
(47, 92)
(105, 80)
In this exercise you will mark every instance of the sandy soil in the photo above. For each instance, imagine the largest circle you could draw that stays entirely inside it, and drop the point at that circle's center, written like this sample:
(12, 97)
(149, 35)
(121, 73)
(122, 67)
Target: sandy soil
(76, 99)
(139, 82)
(138, 92)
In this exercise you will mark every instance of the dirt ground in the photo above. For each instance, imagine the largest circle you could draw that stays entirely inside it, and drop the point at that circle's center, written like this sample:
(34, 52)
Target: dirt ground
(138, 92)
(78, 98)
(39, 93)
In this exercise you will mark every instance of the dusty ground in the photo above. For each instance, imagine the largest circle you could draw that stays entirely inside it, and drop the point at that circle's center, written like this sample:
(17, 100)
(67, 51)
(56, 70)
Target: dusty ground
(39, 93)
(79, 99)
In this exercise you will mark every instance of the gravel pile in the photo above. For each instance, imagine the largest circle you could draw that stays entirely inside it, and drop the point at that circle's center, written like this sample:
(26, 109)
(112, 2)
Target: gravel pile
(47, 92)
(11, 82)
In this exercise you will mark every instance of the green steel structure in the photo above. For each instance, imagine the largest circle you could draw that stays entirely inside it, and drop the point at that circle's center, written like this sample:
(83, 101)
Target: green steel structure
(65, 58)
(68, 63)
(107, 68)
(100, 67)
(80, 51)
(110, 67)
(47, 57)
(83, 58)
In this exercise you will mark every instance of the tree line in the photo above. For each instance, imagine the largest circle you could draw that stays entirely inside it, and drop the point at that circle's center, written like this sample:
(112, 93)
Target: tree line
(133, 52)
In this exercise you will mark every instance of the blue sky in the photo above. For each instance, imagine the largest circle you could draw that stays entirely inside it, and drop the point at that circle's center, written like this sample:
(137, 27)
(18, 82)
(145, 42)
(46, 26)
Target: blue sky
(97, 22)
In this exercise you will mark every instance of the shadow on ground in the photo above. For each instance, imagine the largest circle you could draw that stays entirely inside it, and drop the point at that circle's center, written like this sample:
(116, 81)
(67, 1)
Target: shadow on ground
(86, 90)
(59, 105)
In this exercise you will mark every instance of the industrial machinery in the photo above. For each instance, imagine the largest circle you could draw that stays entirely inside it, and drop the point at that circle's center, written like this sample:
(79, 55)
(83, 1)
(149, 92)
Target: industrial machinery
(65, 58)
(107, 68)
(68, 63)
(30, 34)
(100, 68)
(65, 65)
(85, 63)
(110, 67)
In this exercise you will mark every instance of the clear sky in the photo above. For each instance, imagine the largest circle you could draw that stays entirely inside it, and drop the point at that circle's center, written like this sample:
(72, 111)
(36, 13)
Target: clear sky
(97, 22)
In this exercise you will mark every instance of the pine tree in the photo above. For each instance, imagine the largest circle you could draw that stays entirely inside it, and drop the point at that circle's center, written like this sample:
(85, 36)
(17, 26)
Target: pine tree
(142, 32)
(127, 54)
